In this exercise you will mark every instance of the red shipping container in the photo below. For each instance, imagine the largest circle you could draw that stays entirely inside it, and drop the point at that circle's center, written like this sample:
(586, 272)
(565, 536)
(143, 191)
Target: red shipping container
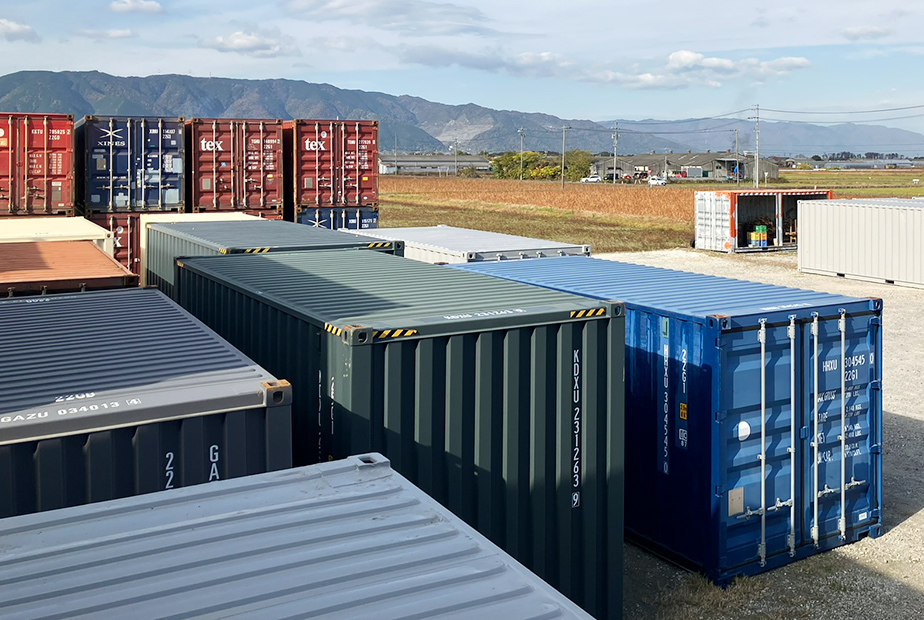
(126, 235)
(36, 164)
(234, 164)
(333, 163)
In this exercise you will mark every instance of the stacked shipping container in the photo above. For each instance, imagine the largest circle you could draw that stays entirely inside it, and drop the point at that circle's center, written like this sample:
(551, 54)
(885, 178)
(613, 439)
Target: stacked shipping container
(36, 164)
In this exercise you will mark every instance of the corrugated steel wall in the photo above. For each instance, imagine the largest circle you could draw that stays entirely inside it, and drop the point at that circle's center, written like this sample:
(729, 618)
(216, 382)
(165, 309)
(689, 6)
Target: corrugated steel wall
(37, 164)
(866, 239)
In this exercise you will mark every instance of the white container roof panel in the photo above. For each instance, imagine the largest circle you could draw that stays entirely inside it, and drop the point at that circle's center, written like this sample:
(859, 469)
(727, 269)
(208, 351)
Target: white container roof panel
(346, 539)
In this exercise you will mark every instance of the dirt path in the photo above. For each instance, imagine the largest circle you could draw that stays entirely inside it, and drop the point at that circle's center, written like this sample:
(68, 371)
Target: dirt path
(881, 578)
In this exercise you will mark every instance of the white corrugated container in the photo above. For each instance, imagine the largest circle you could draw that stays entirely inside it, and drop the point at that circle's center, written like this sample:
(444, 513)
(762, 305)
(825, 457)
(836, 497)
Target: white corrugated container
(724, 218)
(169, 218)
(449, 244)
(25, 229)
(344, 539)
(880, 240)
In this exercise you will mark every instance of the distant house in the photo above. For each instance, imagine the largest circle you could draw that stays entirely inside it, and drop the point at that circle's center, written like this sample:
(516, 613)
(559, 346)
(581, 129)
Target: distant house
(707, 165)
(431, 164)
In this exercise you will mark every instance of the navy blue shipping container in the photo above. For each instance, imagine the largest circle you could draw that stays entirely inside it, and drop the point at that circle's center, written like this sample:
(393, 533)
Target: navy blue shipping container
(336, 218)
(753, 412)
(130, 163)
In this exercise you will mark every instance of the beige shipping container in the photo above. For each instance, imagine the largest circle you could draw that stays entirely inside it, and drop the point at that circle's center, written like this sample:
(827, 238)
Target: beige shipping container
(879, 240)
(169, 218)
(23, 229)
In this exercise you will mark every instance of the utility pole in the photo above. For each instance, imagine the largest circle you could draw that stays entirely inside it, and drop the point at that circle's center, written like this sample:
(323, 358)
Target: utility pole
(521, 131)
(564, 129)
(737, 165)
(615, 142)
(756, 117)
(396, 154)
(455, 157)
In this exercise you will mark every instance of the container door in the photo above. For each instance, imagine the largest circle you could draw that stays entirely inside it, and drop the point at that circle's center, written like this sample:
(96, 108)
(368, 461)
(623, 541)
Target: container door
(158, 176)
(315, 151)
(358, 163)
(712, 221)
(759, 384)
(260, 145)
(842, 430)
(108, 166)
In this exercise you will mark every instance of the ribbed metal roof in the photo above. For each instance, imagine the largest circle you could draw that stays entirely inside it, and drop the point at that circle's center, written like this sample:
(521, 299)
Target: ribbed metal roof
(664, 289)
(247, 234)
(346, 539)
(61, 265)
(904, 203)
(133, 347)
(468, 240)
(373, 289)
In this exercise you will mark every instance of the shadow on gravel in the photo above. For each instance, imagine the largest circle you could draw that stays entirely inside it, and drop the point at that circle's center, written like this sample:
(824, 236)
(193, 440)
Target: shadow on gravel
(902, 468)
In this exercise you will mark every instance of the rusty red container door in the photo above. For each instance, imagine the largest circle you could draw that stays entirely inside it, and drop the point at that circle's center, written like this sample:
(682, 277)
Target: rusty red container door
(126, 233)
(36, 164)
(335, 163)
(359, 181)
(235, 164)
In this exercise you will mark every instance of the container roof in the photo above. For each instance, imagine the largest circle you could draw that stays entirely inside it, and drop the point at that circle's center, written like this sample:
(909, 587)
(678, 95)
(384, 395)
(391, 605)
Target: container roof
(130, 346)
(261, 233)
(350, 539)
(467, 239)
(15, 229)
(666, 290)
(381, 291)
(904, 203)
(37, 263)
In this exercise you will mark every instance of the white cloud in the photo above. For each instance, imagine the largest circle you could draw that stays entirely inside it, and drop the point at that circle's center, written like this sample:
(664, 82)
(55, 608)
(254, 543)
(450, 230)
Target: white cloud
(865, 33)
(412, 17)
(11, 31)
(685, 69)
(101, 35)
(256, 43)
(136, 6)
(530, 64)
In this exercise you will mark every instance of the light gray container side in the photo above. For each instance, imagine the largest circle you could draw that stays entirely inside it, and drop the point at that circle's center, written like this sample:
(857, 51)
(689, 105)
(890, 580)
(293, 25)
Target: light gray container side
(168, 241)
(502, 401)
(346, 539)
(107, 394)
(878, 240)
(449, 244)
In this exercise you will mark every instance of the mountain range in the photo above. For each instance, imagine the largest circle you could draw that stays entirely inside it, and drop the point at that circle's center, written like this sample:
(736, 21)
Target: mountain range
(411, 124)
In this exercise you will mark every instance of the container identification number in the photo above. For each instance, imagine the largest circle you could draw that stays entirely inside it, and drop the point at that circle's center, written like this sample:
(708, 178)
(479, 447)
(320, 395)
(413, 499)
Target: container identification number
(576, 429)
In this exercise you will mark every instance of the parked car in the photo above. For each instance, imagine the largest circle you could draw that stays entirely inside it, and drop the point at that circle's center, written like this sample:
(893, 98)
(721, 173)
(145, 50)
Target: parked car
(594, 178)
(657, 181)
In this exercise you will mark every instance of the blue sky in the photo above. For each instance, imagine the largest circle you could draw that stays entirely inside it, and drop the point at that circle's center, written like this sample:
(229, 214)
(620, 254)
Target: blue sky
(597, 61)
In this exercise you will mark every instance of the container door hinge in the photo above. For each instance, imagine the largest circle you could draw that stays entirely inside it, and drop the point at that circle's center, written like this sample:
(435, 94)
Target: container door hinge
(875, 513)
(875, 385)
(875, 321)
(876, 448)
(719, 491)
(804, 432)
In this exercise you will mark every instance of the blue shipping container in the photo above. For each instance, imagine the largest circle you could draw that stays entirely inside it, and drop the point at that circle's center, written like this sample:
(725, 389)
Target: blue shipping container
(753, 412)
(130, 163)
(335, 218)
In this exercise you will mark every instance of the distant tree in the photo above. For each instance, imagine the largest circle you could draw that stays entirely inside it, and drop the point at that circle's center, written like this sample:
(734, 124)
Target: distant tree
(577, 164)
(816, 158)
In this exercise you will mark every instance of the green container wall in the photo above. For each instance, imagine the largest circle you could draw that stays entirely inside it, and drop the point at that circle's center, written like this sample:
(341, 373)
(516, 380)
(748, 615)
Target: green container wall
(502, 401)
(168, 241)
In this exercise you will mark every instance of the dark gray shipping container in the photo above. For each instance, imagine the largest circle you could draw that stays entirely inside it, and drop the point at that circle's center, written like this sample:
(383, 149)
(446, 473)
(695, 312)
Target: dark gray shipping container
(169, 241)
(502, 401)
(107, 394)
(348, 539)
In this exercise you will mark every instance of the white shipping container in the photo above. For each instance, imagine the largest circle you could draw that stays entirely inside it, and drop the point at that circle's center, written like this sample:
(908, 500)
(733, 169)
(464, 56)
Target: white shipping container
(27, 229)
(879, 240)
(449, 244)
(169, 218)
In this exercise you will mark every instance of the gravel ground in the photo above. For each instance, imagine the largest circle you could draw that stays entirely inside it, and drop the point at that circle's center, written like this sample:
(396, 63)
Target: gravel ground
(873, 578)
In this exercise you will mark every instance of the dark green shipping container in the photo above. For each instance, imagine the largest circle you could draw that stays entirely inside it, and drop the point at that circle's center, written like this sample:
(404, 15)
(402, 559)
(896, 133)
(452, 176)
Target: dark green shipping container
(168, 241)
(503, 401)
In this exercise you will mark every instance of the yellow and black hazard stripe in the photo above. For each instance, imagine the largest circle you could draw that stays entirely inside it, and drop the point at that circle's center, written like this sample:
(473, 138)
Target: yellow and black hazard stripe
(380, 245)
(256, 250)
(394, 333)
(334, 330)
(586, 314)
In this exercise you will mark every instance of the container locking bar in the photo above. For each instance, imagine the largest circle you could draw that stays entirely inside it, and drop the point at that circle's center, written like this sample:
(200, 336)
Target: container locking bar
(842, 326)
(815, 437)
(762, 338)
(791, 537)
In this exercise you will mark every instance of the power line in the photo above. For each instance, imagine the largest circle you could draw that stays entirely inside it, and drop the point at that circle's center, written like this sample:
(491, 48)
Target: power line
(689, 120)
(910, 107)
(868, 120)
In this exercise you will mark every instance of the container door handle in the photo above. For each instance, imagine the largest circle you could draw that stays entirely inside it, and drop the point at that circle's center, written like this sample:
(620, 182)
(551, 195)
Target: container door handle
(842, 326)
(814, 441)
(762, 338)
